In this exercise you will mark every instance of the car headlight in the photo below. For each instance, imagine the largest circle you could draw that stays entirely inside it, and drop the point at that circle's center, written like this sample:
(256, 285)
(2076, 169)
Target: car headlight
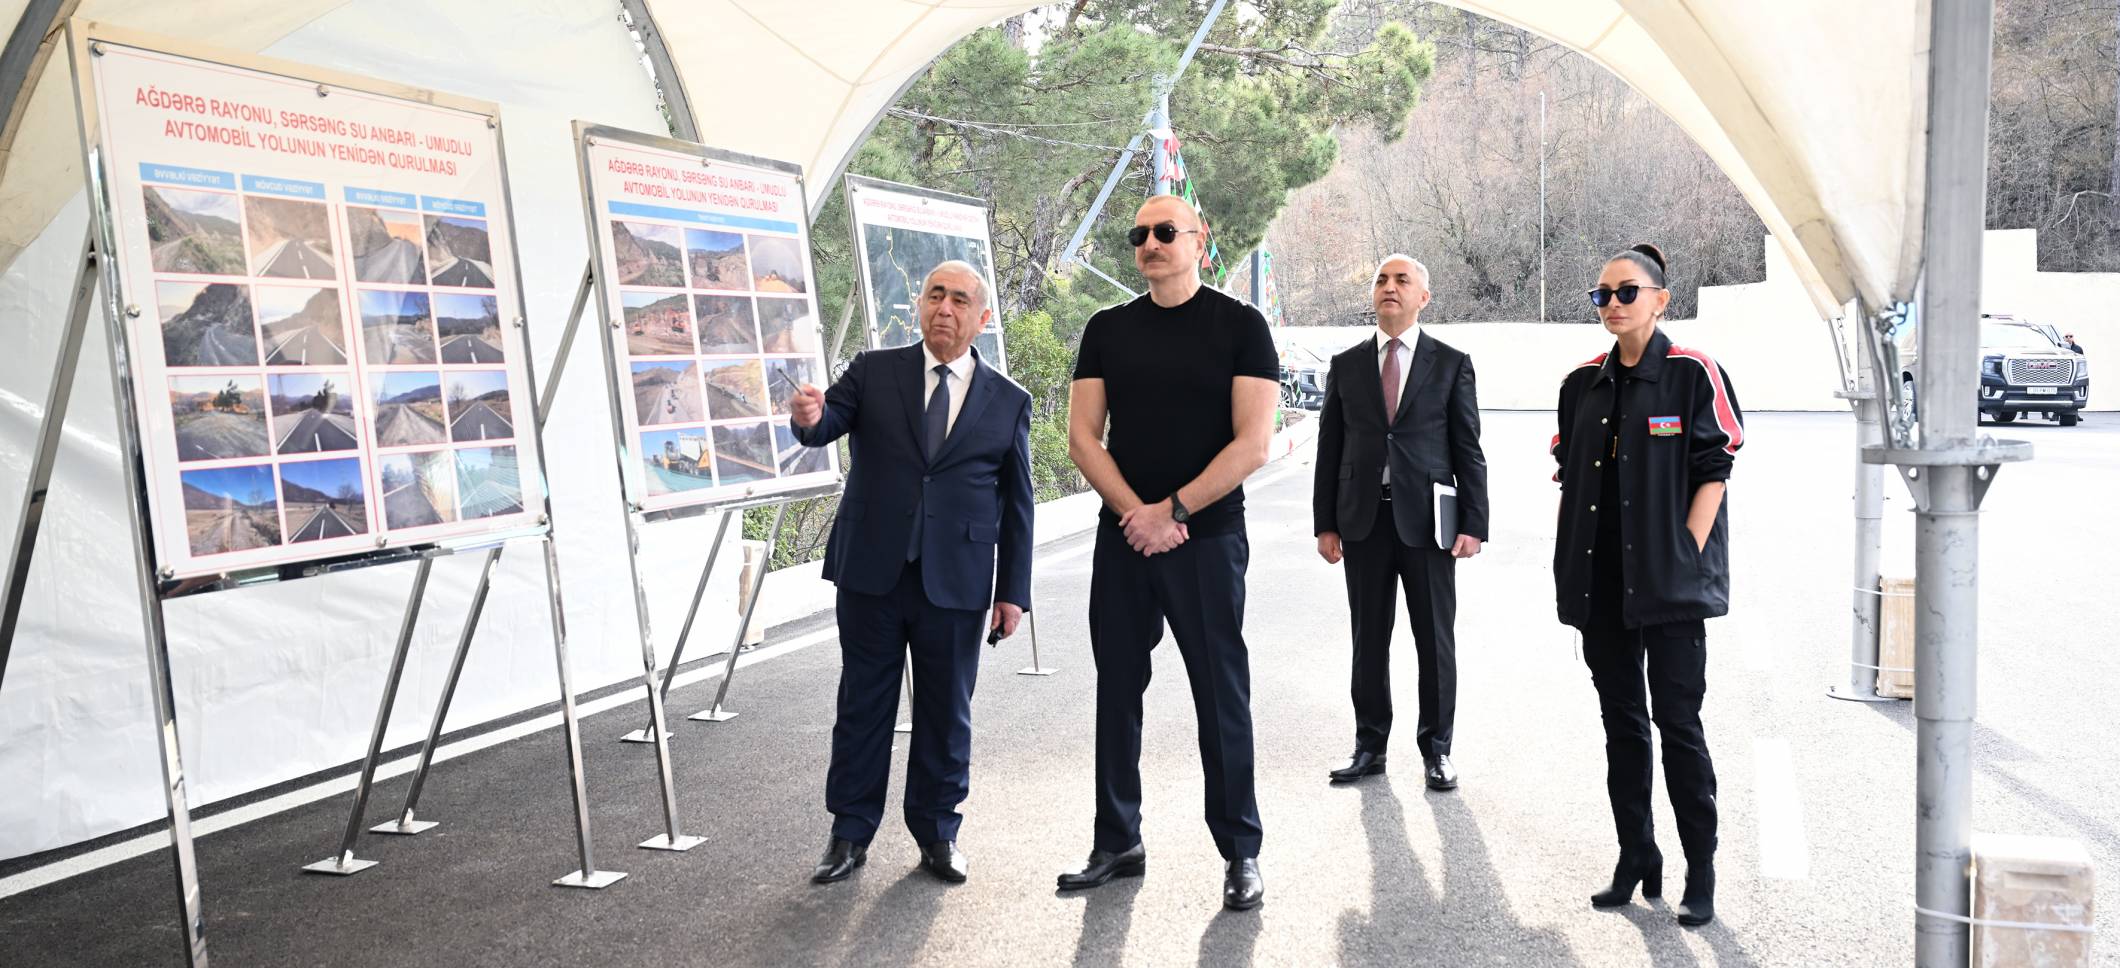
(1992, 366)
(2083, 368)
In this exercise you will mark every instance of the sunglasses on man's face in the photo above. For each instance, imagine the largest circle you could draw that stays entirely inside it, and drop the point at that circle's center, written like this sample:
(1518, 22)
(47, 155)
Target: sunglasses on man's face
(1166, 233)
(1602, 297)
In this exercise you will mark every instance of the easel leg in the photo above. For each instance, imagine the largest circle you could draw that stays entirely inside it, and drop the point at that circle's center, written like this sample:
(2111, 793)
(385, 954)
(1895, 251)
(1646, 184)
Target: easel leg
(344, 863)
(672, 837)
(405, 824)
(588, 876)
(35, 488)
(646, 734)
(1036, 668)
(715, 713)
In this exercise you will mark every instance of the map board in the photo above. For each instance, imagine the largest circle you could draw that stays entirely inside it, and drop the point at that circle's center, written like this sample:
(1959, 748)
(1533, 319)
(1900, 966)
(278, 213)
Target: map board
(321, 309)
(709, 304)
(901, 232)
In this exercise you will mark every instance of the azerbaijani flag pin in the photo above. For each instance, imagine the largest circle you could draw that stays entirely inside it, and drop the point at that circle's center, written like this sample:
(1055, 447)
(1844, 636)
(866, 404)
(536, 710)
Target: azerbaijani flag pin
(1664, 427)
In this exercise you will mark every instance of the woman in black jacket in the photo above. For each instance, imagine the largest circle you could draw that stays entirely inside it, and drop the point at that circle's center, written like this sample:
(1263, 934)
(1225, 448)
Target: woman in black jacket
(1647, 436)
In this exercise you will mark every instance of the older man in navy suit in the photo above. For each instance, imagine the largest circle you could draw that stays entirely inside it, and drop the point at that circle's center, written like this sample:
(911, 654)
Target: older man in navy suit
(939, 493)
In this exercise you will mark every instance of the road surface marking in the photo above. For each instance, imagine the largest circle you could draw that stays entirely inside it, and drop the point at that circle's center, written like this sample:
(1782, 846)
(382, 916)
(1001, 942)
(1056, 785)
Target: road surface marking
(1784, 852)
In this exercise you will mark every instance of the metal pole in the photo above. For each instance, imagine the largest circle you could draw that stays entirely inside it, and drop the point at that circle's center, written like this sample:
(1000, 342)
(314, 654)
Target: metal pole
(36, 487)
(1036, 668)
(846, 320)
(1860, 684)
(714, 713)
(672, 837)
(1541, 206)
(1258, 289)
(405, 824)
(588, 876)
(1096, 208)
(344, 863)
(1947, 528)
(646, 734)
(1158, 159)
(132, 467)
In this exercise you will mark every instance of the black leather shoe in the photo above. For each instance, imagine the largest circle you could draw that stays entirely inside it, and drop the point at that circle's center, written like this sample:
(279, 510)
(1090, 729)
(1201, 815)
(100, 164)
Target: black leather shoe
(944, 860)
(1364, 764)
(1104, 865)
(1242, 887)
(1644, 869)
(840, 858)
(1698, 906)
(1440, 774)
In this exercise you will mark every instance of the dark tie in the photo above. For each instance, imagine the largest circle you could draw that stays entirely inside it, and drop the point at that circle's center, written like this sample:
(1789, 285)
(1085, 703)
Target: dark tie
(1391, 379)
(938, 412)
(938, 429)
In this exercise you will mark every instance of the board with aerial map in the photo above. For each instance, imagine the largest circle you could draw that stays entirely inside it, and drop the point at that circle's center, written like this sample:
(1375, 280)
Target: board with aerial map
(902, 232)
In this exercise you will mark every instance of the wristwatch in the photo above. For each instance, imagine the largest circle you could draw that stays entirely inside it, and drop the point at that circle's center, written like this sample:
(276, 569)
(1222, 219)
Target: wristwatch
(1178, 512)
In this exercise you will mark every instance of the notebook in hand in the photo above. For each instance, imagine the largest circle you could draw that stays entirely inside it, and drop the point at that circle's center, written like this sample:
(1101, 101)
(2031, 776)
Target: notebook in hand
(1446, 521)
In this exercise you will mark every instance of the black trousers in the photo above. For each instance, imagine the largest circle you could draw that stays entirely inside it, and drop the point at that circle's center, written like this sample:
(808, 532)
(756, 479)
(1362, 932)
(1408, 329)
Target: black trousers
(1377, 567)
(875, 632)
(1199, 589)
(1645, 674)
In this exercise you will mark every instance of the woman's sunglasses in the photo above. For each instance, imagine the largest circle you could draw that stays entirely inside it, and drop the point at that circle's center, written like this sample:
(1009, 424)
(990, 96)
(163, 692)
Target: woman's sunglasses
(1166, 233)
(1602, 297)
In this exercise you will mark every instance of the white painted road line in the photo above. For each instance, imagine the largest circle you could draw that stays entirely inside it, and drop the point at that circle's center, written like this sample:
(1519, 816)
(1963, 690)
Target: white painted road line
(1784, 852)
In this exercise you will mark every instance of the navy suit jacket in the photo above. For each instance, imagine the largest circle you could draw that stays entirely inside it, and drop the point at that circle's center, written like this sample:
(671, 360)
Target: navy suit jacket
(975, 495)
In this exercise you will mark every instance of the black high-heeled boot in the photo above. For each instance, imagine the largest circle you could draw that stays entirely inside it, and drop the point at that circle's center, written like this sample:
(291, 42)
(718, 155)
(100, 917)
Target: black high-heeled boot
(1644, 869)
(1698, 906)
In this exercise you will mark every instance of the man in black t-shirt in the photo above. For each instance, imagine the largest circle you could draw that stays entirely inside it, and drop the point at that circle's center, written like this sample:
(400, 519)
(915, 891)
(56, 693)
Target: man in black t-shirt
(1188, 377)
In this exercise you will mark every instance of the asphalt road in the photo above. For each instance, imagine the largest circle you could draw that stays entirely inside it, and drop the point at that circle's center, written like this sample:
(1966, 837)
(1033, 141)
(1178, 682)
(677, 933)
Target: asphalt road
(399, 344)
(220, 347)
(480, 422)
(314, 431)
(297, 259)
(398, 261)
(309, 346)
(1816, 795)
(464, 273)
(325, 524)
(470, 349)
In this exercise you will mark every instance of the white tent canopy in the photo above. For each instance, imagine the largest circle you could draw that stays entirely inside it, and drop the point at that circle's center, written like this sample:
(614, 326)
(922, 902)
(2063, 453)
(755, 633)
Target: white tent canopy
(1814, 108)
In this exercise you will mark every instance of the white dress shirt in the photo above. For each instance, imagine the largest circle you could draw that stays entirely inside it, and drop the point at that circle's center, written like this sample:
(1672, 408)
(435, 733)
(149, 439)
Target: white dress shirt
(960, 371)
(1405, 357)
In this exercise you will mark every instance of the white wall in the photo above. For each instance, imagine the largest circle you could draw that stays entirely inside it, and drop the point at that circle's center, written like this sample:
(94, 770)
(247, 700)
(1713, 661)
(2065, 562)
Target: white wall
(277, 682)
(1766, 334)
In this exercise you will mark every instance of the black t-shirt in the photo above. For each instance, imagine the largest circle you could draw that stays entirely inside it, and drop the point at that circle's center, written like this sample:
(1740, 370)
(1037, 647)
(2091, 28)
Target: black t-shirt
(1167, 376)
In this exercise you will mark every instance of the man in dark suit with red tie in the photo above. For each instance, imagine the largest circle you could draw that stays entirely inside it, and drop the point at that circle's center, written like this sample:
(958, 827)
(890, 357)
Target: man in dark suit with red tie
(934, 529)
(1401, 418)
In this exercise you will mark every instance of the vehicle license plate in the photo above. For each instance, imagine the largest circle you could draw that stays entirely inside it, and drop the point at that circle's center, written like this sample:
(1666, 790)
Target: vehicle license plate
(2040, 391)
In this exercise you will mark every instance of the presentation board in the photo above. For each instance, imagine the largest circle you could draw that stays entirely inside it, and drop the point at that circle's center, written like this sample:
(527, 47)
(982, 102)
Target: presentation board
(322, 321)
(709, 305)
(900, 233)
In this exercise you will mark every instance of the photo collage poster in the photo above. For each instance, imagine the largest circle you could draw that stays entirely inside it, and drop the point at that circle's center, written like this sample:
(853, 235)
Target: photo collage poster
(901, 233)
(322, 309)
(705, 270)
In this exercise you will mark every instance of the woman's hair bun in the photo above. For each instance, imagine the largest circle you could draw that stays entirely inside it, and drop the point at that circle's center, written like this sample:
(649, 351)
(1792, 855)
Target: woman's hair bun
(1655, 254)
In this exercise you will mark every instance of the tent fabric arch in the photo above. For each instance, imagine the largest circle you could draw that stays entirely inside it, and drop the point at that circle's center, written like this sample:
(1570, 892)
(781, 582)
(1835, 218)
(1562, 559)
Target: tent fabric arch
(1814, 108)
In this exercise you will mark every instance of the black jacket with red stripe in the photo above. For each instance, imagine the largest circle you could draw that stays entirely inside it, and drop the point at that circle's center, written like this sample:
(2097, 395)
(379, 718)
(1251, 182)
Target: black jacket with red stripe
(1679, 428)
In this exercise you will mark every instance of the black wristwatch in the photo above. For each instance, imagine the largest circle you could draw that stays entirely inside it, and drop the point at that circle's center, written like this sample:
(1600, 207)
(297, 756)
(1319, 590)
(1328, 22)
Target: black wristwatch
(1178, 512)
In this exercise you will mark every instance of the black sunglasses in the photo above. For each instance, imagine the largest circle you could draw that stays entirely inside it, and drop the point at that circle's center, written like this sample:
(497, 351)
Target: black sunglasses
(1601, 297)
(1166, 233)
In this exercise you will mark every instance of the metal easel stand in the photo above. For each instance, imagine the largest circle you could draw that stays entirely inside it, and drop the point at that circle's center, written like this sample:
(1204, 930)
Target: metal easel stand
(646, 734)
(587, 876)
(715, 713)
(183, 857)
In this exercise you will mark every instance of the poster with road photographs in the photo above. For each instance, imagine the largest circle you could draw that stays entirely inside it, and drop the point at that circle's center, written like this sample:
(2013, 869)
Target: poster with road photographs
(324, 353)
(900, 233)
(708, 295)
